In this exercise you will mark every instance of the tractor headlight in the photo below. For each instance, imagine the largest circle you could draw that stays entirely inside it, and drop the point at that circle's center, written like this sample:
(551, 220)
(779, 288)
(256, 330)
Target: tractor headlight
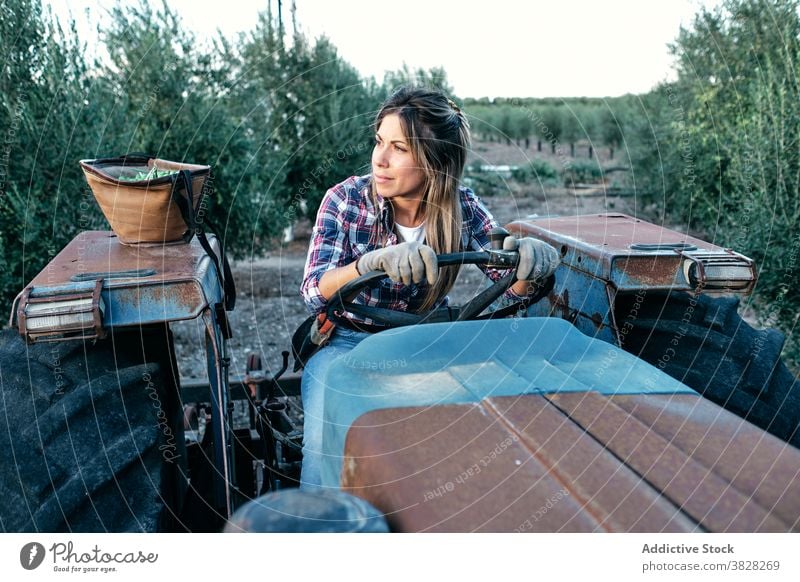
(48, 314)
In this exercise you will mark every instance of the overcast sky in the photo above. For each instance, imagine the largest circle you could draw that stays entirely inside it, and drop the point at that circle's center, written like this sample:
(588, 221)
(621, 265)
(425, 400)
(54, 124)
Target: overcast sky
(496, 48)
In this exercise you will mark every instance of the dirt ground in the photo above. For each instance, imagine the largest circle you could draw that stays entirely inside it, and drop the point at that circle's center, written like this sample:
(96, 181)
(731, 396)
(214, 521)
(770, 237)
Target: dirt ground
(269, 307)
(499, 153)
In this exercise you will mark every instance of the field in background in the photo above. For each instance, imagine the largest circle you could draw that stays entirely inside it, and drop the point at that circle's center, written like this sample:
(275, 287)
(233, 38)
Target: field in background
(499, 153)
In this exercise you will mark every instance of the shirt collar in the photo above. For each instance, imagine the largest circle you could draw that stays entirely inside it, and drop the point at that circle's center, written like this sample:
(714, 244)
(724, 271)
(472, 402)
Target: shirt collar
(383, 209)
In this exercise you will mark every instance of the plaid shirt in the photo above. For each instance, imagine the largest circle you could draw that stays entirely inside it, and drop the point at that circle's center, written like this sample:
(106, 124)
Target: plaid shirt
(341, 235)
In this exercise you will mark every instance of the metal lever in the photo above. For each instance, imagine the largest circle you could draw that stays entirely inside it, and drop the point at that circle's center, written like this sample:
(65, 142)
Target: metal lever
(496, 237)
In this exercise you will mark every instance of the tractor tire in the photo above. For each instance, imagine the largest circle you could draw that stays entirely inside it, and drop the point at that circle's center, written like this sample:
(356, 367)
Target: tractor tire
(703, 342)
(91, 434)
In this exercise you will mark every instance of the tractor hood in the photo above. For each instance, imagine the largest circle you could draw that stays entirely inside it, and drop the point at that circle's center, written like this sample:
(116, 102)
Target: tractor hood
(530, 425)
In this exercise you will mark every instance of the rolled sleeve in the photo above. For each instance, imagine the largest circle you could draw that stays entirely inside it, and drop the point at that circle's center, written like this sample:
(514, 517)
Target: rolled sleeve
(480, 222)
(327, 249)
(477, 219)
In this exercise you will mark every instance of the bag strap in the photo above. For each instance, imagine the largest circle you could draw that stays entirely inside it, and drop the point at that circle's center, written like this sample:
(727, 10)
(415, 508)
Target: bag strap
(189, 214)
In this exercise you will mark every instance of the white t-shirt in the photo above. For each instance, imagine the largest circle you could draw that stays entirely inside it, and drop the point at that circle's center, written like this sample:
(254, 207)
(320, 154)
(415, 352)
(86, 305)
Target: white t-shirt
(409, 234)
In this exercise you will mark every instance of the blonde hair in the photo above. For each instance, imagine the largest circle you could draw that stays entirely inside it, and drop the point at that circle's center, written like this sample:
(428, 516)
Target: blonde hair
(438, 135)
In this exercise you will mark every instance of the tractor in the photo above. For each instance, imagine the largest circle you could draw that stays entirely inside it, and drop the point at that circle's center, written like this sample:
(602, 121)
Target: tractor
(544, 417)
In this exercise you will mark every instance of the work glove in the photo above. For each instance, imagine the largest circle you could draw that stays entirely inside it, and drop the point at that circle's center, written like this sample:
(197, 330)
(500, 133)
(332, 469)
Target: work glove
(408, 262)
(537, 259)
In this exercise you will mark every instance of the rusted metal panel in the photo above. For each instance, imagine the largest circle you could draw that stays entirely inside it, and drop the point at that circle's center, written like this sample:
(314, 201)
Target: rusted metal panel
(699, 488)
(755, 462)
(583, 301)
(100, 252)
(632, 254)
(649, 271)
(609, 253)
(455, 468)
(143, 283)
(573, 462)
(592, 244)
(505, 464)
(617, 496)
(612, 234)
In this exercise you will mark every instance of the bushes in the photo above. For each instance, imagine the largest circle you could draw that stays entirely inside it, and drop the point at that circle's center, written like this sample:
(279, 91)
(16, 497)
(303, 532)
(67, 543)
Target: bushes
(581, 171)
(486, 184)
(537, 171)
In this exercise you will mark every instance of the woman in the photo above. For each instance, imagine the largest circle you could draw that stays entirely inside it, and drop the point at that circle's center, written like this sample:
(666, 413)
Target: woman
(397, 219)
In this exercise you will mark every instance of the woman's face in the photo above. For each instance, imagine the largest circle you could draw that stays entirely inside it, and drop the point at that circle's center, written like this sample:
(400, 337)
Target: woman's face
(395, 172)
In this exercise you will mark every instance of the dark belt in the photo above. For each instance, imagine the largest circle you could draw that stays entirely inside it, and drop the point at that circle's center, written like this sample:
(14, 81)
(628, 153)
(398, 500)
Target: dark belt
(360, 326)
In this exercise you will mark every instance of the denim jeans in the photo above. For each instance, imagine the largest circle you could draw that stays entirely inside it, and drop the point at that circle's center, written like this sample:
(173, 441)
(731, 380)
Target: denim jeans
(313, 392)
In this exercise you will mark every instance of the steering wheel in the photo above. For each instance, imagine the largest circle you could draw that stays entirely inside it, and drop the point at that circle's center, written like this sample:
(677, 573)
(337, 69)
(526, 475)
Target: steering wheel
(494, 257)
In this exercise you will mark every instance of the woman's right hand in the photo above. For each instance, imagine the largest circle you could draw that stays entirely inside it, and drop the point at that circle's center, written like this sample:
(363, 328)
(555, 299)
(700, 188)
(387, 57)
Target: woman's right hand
(408, 262)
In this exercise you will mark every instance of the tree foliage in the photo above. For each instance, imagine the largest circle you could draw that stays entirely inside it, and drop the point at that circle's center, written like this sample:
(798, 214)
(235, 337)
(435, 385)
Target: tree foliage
(46, 108)
(279, 119)
(435, 78)
(318, 110)
(724, 158)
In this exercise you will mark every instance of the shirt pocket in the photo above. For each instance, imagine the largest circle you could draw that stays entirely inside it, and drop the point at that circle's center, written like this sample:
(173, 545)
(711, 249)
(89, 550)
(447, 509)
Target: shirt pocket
(359, 243)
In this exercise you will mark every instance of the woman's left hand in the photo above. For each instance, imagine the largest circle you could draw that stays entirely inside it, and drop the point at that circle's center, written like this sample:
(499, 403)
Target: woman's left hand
(537, 259)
